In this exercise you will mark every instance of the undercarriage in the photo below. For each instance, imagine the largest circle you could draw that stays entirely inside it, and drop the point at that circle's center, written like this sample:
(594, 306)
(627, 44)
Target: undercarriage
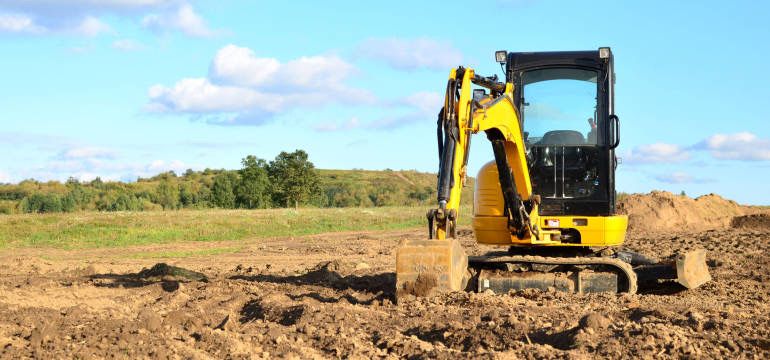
(444, 266)
(600, 271)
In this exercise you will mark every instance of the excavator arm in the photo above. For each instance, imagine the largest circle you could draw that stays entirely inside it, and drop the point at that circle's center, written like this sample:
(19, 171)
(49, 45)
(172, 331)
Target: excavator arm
(464, 115)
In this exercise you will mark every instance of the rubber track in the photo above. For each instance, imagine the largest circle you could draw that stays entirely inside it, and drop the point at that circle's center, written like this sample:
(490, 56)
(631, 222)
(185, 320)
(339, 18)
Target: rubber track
(624, 267)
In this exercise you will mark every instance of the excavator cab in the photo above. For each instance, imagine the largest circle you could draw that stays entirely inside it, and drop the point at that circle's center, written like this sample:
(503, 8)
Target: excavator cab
(565, 99)
(570, 131)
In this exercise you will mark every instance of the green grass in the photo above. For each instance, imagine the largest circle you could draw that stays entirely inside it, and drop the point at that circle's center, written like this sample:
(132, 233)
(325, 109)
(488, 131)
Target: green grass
(82, 230)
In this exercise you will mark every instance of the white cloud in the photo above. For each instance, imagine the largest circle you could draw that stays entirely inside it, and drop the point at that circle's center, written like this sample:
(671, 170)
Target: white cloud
(656, 153)
(199, 95)
(184, 19)
(4, 177)
(412, 54)
(127, 45)
(239, 66)
(89, 169)
(18, 23)
(737, 146)
(42, 6)
(91, 26)
(420, 106)
(86, 163)
(87, 152)
(84, 17)
(353, 123)
(159, 166)
(243, 89)
(679, 177)
(425, 102)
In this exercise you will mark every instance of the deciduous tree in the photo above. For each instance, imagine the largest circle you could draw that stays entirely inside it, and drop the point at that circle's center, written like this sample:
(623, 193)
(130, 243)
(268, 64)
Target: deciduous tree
(293, 178)
(253, 188)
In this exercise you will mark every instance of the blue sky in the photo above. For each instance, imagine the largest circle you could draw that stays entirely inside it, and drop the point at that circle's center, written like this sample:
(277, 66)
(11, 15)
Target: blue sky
(127, 88)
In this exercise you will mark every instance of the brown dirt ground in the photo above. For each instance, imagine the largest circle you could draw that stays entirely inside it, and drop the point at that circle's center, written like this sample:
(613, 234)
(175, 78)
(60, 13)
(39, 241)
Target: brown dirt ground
(331, 295)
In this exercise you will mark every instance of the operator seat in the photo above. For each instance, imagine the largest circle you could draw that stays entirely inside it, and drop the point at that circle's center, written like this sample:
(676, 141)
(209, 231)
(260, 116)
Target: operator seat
(562, 149)
(563, 137)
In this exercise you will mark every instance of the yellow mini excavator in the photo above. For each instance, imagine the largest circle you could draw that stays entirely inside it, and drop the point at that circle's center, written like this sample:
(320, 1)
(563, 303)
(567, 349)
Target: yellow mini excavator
(548, 196)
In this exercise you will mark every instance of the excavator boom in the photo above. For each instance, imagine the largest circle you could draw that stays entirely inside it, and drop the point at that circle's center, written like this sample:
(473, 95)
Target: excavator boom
(463, 116)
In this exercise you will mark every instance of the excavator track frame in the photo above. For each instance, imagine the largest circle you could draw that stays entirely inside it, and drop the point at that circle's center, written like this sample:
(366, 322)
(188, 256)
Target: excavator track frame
(621, 267)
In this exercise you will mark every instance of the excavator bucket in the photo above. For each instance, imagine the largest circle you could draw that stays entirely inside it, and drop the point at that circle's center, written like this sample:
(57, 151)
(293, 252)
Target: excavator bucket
(691, 269)
(688, 269)
(428, 267)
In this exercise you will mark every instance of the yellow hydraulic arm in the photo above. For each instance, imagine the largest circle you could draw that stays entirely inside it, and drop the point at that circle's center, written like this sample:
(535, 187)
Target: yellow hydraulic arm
(464, 115)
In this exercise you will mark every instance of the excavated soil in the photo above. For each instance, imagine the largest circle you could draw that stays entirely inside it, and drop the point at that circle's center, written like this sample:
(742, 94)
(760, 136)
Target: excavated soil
(332, 296)
(754, 221)
(664, 211)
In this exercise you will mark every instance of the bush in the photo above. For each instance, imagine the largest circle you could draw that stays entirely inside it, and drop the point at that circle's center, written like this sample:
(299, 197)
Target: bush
(167, 194)
(147, 205)
(222, 191)
(41, 203)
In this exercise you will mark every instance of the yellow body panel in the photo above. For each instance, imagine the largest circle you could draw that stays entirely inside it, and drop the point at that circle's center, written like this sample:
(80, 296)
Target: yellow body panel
(501, 115)
(490, 223)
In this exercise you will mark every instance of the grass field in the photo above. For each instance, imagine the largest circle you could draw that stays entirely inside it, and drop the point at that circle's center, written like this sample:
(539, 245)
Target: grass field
(81, 230)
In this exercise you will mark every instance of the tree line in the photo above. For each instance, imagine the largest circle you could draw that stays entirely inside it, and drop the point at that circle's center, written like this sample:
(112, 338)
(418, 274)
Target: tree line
(289, 180)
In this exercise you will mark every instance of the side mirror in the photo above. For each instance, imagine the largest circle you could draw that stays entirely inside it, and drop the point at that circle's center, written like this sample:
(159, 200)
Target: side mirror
(613, 125)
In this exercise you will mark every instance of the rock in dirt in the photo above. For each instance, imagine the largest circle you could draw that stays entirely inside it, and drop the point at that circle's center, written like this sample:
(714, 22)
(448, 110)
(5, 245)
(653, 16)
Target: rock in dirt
(595, 321)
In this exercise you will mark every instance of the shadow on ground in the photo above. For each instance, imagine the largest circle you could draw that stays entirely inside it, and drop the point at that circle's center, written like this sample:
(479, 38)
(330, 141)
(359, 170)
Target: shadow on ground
(168, 276)
(382, 285)
(130, 281)
(257, 310)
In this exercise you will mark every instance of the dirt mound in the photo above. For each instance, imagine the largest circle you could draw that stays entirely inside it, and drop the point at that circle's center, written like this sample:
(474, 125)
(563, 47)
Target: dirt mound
(753, 221)
(664, 211)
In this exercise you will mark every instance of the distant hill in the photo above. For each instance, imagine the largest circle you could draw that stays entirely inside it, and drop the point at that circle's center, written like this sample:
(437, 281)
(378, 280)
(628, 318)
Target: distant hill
(193, 189)
(382, 188)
